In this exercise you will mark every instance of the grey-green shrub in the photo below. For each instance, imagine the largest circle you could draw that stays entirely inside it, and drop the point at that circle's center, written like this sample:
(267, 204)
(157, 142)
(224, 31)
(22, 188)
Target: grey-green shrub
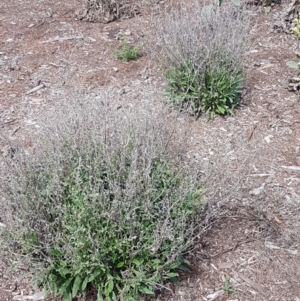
(99, 203)
(194, 42)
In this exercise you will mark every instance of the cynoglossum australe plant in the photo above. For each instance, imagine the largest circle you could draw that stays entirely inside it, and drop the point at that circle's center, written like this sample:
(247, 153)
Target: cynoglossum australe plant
(100, 203)
(219, 93)
(195, 41)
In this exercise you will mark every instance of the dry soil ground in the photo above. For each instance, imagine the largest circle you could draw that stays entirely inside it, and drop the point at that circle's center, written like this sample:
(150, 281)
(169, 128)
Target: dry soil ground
(254, 202)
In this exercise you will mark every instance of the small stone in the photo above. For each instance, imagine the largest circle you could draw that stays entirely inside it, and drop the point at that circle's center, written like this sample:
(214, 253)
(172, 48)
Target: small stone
(268, 139)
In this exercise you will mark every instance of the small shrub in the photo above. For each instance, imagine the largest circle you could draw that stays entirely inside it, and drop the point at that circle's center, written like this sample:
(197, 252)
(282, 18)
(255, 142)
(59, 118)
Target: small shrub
(221, 91)
(200, 49)
(183, 88)
(218, 95)
(106, 11)
(127, 53)
(100, 204)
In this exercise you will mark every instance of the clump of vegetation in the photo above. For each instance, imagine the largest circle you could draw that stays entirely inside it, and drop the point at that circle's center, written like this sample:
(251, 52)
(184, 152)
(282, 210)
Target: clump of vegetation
(127, 53)
(200, 48)
(219, 93)
(106, 11)
(227, 287)
(100, 204)
(296, 32)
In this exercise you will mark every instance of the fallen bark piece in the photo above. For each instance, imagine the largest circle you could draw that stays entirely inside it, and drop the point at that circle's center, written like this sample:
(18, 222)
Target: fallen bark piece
(225, 265)
(36, 297)
(215, 295)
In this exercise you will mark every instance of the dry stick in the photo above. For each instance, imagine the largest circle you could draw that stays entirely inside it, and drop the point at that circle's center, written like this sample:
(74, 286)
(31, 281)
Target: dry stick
(9, 121)
(35, 89)
(58, 39)
(231, 249)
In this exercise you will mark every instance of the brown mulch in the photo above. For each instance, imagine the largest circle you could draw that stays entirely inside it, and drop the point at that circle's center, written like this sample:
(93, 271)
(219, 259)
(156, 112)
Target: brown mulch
(255, 191)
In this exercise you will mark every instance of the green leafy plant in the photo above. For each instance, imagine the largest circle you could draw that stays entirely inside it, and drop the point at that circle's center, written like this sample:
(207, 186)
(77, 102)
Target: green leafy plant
(227, 287)
(100, 204)
(296, 31)
(217, 93)
(221, 91)
(127, 53)
(183, 88)
(200, 49)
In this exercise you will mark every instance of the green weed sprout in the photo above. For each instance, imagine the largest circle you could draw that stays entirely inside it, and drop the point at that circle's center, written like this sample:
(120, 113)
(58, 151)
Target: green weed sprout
(127, 53)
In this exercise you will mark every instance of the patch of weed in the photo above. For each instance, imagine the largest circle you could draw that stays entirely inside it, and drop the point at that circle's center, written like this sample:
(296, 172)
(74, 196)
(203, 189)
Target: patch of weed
(127, 53)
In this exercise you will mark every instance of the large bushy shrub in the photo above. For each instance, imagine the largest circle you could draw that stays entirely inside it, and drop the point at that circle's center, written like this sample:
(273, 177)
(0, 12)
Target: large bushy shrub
(99, 203)
(200, 48)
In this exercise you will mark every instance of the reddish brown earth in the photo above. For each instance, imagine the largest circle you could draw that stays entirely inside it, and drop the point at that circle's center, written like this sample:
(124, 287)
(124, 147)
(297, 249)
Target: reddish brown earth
(254, 215)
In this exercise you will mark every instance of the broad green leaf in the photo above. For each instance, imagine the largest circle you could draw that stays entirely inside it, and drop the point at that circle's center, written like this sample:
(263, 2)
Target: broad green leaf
(267, 9)
(146, 290)
(84, 284)
(110, 285)
(136, 262)
(185, 261)
(76, 286)
(67, 296)
(94, 275)
(99, 296)
(120, 264)
(175, 280)
(64, 287)
(293, 65)
(172, 275)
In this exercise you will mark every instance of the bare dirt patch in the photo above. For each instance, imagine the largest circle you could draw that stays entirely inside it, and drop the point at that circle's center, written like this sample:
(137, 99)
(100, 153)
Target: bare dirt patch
(255, 191)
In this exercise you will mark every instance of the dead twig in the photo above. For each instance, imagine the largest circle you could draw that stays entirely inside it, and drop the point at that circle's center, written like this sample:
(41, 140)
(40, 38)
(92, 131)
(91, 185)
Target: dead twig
(35, 89)
(9, 121)
(239, 243)
(58, 39)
